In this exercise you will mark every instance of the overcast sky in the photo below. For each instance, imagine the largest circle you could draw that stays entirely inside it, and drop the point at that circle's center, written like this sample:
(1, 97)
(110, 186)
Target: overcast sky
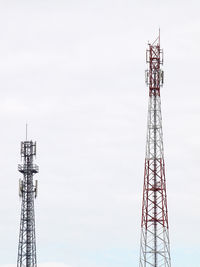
(74, 70)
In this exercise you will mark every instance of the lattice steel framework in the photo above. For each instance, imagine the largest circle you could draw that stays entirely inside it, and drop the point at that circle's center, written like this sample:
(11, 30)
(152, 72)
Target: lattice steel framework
(27, 191)
(155, 248)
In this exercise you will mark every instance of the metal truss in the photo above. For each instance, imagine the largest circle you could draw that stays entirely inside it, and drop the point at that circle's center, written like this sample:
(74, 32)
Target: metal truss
(155, 248)
(27, 191)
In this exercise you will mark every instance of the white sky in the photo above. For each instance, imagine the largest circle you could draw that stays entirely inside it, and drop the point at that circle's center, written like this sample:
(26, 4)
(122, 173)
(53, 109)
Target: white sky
(75, 71)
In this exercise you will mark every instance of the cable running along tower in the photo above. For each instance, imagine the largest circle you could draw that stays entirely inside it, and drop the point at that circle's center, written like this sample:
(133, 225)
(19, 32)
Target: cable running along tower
(154, 249)
(27, 191)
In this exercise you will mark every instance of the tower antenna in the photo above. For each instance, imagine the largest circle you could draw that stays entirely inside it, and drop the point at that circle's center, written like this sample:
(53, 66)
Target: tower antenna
(27, 191)
(154, 247)
(26, 131)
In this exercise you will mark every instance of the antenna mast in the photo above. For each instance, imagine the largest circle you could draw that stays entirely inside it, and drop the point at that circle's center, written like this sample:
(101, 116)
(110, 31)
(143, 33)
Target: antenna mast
(26, 131)
(155, 248)
(27, 191)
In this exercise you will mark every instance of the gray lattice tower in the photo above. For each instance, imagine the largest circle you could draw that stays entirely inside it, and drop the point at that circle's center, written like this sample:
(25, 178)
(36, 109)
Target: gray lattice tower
(27, 191)
(154, 248)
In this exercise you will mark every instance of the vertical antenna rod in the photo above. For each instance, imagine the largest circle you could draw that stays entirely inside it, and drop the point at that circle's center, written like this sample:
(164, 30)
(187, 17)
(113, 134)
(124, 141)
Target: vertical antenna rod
(27, 191)
(154, 247)
(26, 131)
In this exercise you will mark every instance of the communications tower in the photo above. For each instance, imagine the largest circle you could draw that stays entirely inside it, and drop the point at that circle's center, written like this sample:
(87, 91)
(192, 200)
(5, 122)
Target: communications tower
(155, 248)
(27, 191)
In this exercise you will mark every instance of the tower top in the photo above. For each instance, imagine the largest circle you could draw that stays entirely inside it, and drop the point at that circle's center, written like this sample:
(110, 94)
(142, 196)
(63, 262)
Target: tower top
(28, 151)
(28, 148)
(154, 76)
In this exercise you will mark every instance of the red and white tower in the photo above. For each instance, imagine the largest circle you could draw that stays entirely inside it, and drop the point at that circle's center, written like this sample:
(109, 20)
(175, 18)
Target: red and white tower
(155, 249)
